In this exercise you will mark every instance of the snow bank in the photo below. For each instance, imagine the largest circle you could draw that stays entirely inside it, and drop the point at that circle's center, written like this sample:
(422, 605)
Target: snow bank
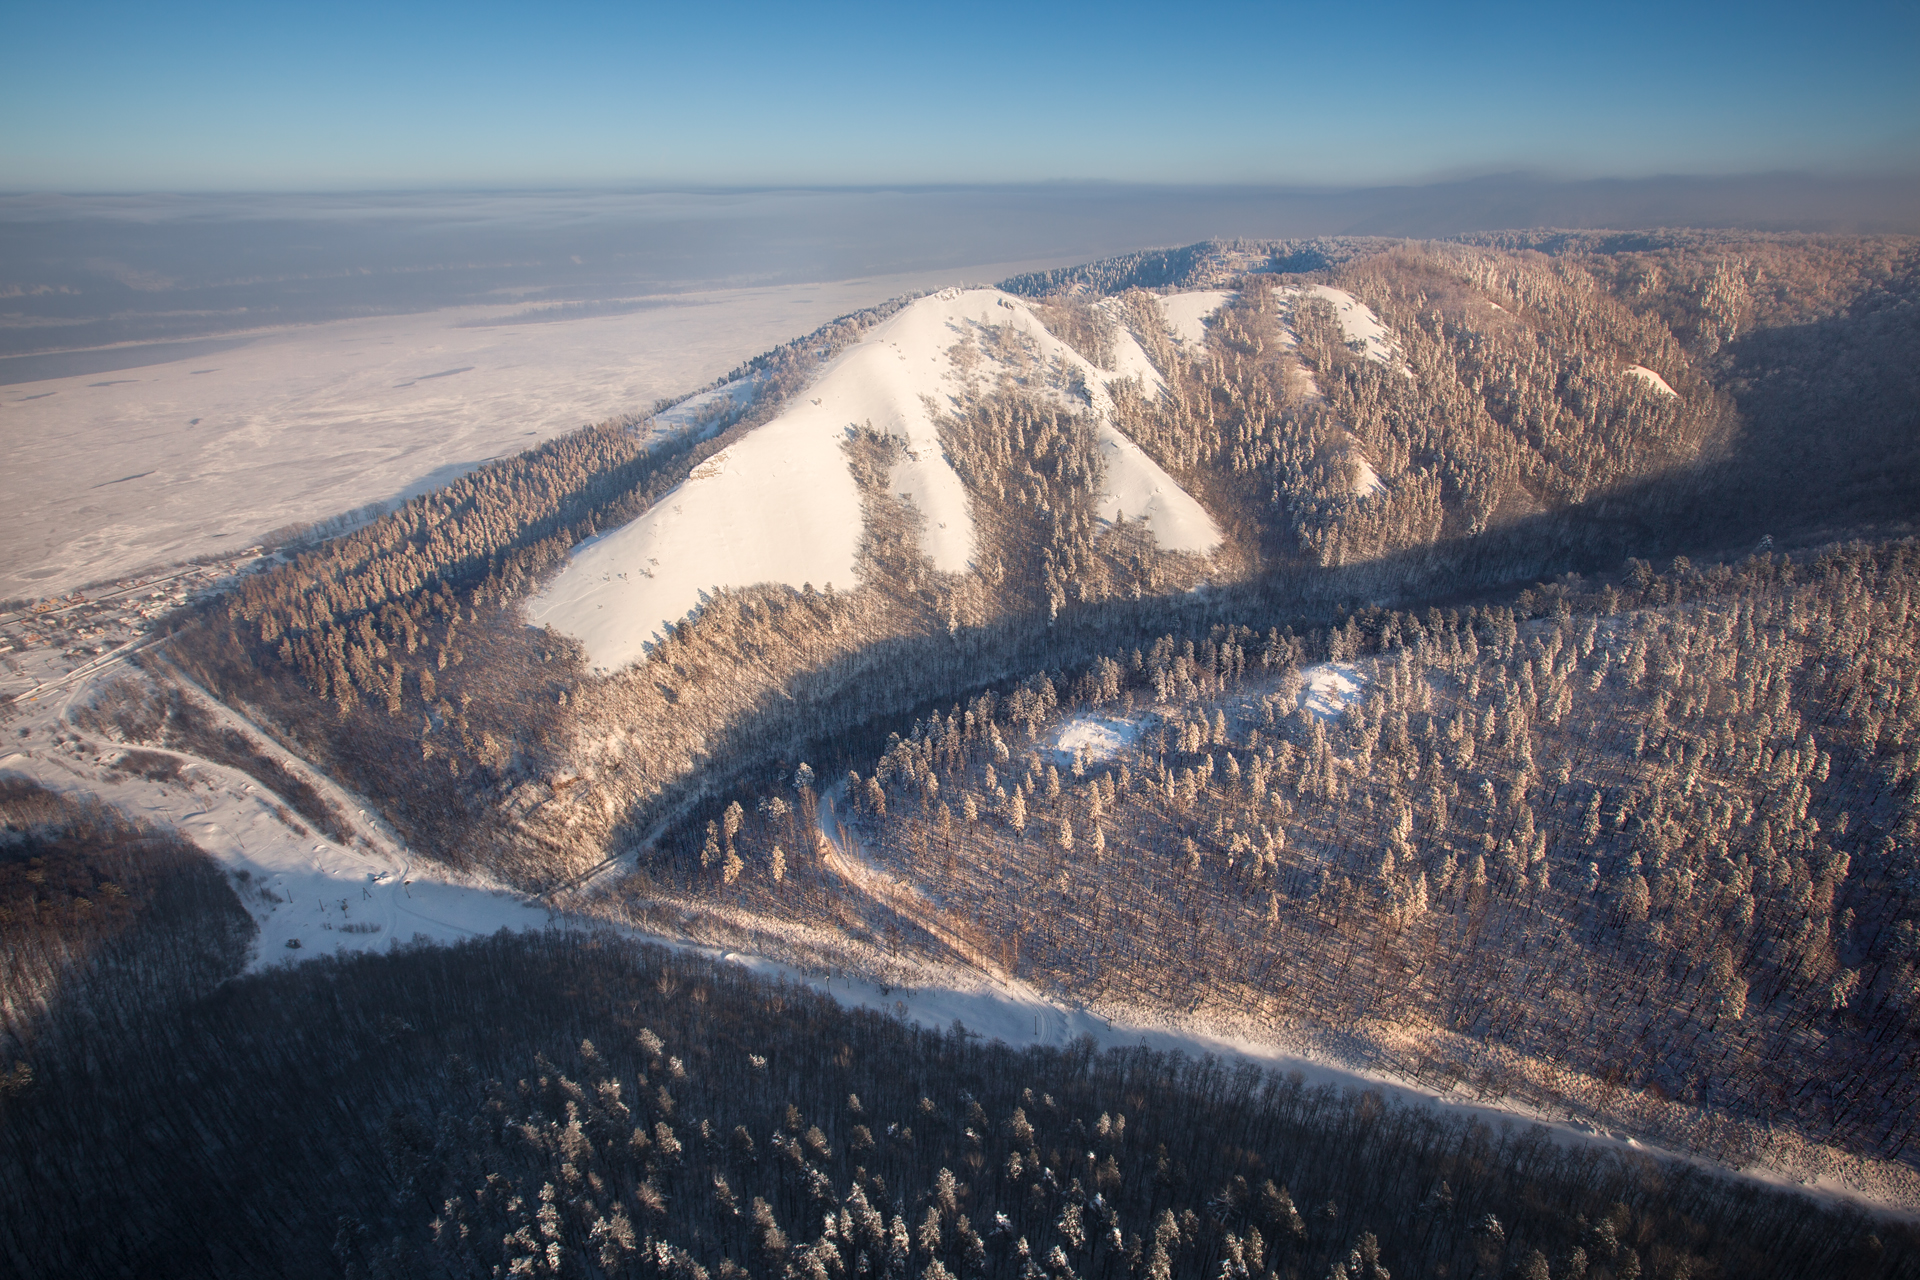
(1652, 379)
(781, 506)
(1186, 314)
(1330, 688)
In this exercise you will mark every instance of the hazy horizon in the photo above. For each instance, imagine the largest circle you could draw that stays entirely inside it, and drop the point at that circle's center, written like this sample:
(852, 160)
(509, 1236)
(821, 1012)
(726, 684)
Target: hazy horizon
(83, 273)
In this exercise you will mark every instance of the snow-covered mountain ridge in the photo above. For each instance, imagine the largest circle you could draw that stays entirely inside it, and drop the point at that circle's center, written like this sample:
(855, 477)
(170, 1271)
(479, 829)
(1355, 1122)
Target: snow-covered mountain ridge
(781, 505)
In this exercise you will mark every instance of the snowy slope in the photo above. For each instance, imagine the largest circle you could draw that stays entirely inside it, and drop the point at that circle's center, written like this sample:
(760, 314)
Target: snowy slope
(1137, 489)
(107, 473)
(1359, 324)
(309, 895)
(781, 506)
(1130, 359)
(1187, 314)
(1366, 481)
(1652, 379)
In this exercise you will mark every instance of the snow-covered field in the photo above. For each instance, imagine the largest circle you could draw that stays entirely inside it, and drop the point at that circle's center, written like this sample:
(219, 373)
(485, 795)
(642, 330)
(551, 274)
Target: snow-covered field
(781, 505)
(113, 472)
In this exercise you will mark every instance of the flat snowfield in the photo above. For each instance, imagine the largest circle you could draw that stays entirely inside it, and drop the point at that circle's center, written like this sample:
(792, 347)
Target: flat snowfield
(113, 472)
(781, 505)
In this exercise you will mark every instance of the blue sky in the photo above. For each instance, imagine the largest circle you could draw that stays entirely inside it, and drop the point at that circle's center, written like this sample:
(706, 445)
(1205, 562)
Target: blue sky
(337, 96)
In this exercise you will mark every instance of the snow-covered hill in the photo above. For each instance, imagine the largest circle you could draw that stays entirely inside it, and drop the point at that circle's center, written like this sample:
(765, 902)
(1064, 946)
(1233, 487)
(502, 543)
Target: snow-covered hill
(781, 504)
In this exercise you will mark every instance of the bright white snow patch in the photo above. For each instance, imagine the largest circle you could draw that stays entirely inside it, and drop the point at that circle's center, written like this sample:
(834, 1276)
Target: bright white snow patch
(1330, 688)
(781, 506)
(1186, 314)
(1137, 489)
(309, 895)
(1098, 737)
(1358, 324)
(1366, 481)
(1652, 379)
(1130, 359)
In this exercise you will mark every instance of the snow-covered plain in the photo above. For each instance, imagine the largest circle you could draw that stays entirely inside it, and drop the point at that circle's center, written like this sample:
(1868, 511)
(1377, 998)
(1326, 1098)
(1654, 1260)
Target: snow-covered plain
(114, 472)
(781, 506)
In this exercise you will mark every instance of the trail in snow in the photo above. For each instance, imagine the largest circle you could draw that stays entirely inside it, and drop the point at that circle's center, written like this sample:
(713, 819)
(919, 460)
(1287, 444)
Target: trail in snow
(299, 886)
(991, 1003)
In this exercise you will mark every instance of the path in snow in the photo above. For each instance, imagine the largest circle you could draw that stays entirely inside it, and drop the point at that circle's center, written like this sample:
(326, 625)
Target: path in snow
(991, 1003)
(299, 886)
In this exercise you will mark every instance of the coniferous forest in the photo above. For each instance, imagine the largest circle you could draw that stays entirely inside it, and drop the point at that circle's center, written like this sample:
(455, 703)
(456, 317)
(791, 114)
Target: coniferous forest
(1542, 733)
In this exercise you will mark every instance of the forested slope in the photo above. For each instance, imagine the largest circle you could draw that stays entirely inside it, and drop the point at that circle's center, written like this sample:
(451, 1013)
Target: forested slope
(1598, 839)
(1510, 440)
(577, 1106)
(1599, 850)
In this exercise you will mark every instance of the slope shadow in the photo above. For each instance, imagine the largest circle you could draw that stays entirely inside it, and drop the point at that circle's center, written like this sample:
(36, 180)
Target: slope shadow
(1836, 455)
